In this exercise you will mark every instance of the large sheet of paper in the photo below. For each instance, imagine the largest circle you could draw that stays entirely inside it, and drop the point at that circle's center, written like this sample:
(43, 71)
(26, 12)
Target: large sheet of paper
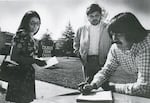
(101, 96)
(49, 61)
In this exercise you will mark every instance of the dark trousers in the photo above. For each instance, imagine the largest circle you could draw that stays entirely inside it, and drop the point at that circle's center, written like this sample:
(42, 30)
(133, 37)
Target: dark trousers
(91, 68)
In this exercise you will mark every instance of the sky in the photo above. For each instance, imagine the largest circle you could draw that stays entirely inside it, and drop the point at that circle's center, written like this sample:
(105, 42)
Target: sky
(56, 14)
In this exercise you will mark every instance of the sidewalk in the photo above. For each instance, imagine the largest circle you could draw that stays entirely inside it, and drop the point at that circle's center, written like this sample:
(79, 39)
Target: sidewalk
(43, 91)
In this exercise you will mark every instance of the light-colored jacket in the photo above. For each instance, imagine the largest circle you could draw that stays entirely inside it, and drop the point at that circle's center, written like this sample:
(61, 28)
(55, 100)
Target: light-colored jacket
(82, 39)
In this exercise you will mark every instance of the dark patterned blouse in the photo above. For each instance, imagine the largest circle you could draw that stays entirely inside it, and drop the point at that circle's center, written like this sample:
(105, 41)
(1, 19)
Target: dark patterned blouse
(26, 44)
(23, 88)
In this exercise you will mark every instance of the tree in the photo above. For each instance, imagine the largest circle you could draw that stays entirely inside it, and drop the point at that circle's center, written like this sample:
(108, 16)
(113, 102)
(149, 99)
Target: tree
(46, 45)
(47, 39)
(68, 36)
(5, 42)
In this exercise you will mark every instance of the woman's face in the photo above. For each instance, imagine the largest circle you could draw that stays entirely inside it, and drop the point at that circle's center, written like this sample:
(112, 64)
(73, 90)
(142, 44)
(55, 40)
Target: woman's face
(34, 25)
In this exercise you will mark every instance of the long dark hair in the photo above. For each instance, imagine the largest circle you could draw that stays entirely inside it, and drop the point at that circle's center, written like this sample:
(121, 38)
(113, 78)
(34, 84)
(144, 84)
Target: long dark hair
(24, 25)
(128, 24)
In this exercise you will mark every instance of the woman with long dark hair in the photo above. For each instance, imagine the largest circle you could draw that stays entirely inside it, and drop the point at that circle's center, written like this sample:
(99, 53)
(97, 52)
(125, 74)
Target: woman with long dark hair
(23, 52)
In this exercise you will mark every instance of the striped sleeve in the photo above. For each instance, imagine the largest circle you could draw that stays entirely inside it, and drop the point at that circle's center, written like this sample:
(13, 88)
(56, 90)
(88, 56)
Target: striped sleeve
(142, 86)
(108, 69)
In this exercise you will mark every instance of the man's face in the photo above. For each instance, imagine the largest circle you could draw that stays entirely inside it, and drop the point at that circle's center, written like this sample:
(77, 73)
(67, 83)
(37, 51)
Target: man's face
(121, 41)
(94, 18)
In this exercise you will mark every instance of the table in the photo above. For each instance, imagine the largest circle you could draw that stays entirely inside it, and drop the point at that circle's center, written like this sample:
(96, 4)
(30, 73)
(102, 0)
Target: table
(118, 98)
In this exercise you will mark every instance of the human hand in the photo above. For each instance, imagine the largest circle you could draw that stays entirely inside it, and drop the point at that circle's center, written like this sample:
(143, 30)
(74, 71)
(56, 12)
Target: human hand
(81, 85)
(40, 62)
(85, 88)
(77, 53)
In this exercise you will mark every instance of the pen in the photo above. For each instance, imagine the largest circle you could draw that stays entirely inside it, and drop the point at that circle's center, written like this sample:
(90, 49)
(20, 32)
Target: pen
(83, 83)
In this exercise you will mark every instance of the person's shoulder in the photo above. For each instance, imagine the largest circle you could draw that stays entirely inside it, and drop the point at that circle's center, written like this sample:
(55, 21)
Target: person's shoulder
(114, 50)
(104, 23)
(21, 32)
(145, 44)
(83, 27)
(146, 41)
(114, 47)
(148, 37)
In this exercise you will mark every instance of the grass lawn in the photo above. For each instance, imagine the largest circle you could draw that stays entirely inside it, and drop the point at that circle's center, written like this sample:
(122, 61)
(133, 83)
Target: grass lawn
(68, 73)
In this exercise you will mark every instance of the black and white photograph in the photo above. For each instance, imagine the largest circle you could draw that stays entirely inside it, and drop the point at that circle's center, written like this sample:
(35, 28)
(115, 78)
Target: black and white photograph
(74, 51)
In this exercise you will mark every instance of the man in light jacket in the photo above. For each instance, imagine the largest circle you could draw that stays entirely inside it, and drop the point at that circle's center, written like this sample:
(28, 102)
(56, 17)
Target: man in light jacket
(92, 43)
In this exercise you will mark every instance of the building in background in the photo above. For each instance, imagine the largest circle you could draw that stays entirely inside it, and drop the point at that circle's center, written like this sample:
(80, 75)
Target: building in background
(6, 41)
(46, 45)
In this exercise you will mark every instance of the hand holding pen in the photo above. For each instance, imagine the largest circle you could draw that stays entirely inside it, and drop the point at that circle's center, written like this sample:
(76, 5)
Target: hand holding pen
(85, 88)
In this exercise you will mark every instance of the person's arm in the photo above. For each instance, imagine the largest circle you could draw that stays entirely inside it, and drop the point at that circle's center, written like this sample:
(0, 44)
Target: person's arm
(104, 74)
(142, 85)
(108, 69)
(76, 43)
(25, 60)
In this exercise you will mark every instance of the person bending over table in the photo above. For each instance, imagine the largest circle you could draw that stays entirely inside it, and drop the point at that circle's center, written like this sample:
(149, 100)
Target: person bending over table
(131, 51)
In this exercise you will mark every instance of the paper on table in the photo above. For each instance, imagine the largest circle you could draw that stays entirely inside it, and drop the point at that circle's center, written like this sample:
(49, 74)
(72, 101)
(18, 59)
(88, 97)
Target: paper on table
(96, 96)
(49, 61)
